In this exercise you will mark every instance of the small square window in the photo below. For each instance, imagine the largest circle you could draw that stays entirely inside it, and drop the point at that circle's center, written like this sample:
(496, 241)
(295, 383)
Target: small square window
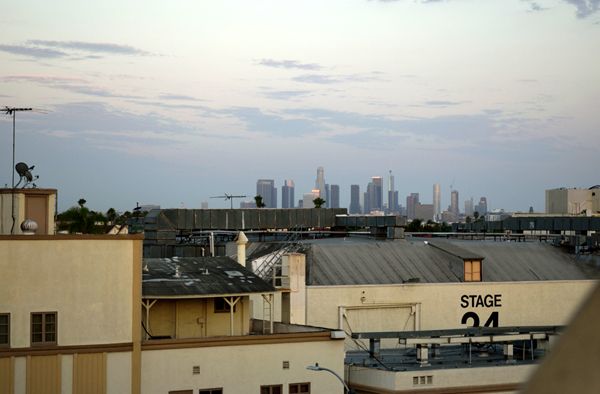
(222, 306)
(4, 330)
(44, 328)
(211, 391)
(272, 389)
(286, 365)
(429, 379)
(415, 380)
(421, 379)
(299, 388)
(472, 270)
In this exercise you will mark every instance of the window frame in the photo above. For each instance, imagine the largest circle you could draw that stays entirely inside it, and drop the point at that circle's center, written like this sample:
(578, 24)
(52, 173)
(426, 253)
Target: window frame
(7, 344)
(217, 390)
(270, 387)
(226, 307)
(468, 272)
(299, 388)
(44, 342)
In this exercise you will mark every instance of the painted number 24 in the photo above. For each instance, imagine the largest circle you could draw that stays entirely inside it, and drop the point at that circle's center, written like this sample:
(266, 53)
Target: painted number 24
(492, 321)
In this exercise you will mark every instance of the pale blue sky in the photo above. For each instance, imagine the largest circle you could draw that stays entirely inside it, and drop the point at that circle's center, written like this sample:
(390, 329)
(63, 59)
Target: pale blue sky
(171, 103)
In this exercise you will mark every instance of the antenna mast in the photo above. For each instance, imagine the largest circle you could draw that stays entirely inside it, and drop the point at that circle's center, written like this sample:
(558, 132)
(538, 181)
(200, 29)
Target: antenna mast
(13, 111)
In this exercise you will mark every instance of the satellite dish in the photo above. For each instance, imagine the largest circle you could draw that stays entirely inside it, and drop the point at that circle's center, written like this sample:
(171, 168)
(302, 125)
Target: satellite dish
(24, 171)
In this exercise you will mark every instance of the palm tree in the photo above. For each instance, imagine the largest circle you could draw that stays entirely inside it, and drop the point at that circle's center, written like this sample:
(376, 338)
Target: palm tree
(318, 202)
(259, 201)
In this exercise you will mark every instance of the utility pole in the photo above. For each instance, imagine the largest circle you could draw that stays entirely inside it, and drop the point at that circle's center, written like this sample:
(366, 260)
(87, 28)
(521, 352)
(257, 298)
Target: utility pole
(13, 111)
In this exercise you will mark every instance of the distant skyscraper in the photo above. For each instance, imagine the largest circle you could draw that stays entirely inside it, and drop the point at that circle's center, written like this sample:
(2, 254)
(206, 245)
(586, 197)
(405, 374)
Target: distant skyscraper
(374, 195)
(482, 207)
(267, 190)
(334, 195)
(327, 197)
(454, 203)
(411, 204)
(307, 201)
(469, 207)
(203, 205)
(392, 195)
(320, 182)
(437, 199)
(287, 194)
(354, 199)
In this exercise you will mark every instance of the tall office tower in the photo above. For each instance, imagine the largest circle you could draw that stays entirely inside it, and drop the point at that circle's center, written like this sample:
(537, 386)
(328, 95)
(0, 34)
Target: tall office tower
(334, 195)
(454, 203)
(376, 193)
(392, 195)
(327, 196)
(320, 182)
(266, 188)
(287, 194)
(469, 207)
(354, 199)
(412, 201)
(367, 200)
(437, 199)
(482, 207)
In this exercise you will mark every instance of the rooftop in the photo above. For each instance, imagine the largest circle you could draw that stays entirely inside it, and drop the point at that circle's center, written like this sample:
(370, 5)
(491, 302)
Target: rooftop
(348, 261)
(185, 277)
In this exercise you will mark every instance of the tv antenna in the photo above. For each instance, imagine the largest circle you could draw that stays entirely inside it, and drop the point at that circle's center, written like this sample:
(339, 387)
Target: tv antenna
(229, 197)
(13, 111)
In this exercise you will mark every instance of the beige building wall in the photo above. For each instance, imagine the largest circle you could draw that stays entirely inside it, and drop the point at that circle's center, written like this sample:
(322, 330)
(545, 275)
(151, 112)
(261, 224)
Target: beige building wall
(21, 197)
(443, 306)
(507, 378)
(88, 282)
(92, 283)
(6, 212)
(243, 369)
(569, 201)
(195, 318)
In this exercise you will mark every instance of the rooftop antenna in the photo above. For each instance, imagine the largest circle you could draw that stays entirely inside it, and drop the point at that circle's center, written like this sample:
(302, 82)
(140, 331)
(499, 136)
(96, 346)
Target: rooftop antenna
(229, 197)
(13, 111)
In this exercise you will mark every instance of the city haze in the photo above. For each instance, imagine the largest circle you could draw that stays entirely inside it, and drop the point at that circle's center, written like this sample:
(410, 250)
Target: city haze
(173, 103)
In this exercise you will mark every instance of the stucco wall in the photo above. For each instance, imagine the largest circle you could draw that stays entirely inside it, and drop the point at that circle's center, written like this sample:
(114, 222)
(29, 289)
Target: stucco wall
(6, 212)
(194, 318)
(438, 306)
(87, 281)
(243, 369)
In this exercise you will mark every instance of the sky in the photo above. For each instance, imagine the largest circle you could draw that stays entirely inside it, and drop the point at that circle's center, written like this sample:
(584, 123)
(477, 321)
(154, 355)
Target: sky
(172, 103)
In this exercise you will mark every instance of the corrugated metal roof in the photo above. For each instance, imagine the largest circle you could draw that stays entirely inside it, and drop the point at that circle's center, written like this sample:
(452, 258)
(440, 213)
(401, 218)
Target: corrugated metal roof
(343, 262)
(200, 276)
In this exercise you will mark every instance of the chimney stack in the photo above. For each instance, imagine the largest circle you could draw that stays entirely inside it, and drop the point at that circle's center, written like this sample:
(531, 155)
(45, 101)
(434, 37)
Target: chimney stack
(241, 248)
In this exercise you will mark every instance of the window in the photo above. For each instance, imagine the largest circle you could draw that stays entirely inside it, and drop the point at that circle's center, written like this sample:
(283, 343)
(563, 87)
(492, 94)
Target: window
(211, 391)
(4, 330)
(473, 271)
(273, 389)
(221, 306)
(300, 388)
(43, 328)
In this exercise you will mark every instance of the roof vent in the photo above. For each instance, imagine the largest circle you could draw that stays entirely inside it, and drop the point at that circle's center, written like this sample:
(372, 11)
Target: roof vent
(29, 226)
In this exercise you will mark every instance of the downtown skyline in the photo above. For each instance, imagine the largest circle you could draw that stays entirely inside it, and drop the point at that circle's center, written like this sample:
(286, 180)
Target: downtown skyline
(172, 105)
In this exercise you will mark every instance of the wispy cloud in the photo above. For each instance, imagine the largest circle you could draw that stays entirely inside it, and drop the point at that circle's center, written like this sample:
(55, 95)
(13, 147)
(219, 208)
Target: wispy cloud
(289, 64)
(178, 97)
(585, 8)
(93, 47)
(286, 94)
(75, 85)
(74, 50)
(259, 121)
(35, 52)
(324, 79)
